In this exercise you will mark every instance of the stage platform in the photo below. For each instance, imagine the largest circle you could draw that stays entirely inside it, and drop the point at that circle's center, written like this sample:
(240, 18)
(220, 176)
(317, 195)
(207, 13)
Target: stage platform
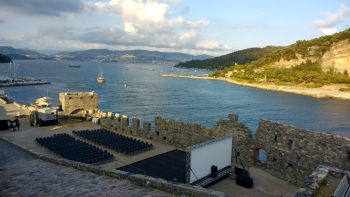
(170, 166)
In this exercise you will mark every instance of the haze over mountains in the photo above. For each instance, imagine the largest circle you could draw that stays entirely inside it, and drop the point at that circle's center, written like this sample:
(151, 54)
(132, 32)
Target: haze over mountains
(105, 55)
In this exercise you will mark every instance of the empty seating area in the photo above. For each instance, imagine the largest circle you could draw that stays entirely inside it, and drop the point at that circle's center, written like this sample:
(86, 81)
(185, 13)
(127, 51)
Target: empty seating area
(114, 141)
(76, 150)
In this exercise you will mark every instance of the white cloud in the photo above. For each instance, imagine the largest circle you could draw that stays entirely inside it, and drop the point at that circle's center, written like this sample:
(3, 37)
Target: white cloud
(150, 23)
(210, 45)
(328, 25)
(129, 28)
(131, 24)
(188, 36)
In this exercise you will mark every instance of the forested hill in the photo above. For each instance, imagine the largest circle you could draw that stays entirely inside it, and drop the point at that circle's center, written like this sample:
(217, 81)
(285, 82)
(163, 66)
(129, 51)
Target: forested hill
(4, 59)
(320, 61)
(237, 57)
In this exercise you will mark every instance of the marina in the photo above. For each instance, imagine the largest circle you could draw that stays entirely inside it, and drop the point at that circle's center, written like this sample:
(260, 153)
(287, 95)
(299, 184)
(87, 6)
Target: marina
(12, 78)
(9, 82)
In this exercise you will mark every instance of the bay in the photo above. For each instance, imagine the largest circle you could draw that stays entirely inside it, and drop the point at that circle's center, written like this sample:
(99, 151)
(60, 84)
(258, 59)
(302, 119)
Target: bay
(138, 90)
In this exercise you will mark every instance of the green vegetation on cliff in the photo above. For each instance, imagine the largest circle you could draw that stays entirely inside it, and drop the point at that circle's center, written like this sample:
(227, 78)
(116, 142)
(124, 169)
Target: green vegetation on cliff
(314, 48)
(4, 59)
(309, 73)
(238, 57)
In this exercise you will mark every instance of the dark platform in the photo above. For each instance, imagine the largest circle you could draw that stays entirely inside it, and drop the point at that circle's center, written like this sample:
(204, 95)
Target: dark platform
(170, 166)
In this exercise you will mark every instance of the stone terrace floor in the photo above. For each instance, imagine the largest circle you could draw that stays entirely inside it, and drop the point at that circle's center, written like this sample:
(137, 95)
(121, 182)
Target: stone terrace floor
(23, 175)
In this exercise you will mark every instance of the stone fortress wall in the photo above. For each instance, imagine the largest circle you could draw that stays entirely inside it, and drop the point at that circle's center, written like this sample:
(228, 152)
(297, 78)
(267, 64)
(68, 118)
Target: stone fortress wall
(292, 153)
(78, 103)
(183, 135)
(172, 132)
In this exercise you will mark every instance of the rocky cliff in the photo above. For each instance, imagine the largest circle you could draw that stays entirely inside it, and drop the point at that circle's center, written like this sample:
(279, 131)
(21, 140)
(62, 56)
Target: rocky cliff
(337, 58)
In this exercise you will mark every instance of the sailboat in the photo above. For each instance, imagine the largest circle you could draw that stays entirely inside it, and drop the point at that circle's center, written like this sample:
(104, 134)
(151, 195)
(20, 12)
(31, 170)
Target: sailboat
(101, 79)
(13, 80)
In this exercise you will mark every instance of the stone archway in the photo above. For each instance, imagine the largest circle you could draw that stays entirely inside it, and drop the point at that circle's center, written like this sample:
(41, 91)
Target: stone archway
(260, 157)
(78, 112)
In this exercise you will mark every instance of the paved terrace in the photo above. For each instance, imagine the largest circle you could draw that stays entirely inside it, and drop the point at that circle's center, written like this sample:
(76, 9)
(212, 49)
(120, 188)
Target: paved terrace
(22, 175)
(26, 138)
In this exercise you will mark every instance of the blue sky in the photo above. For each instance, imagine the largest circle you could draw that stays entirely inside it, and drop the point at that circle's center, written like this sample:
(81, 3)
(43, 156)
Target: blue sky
(191, 26)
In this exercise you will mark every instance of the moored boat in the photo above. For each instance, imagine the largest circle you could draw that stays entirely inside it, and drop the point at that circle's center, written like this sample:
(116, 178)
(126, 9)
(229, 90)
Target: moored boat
(101, 79)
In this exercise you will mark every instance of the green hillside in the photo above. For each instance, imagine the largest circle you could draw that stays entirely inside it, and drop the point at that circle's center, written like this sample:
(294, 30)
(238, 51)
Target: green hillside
(308, 73)
(238, 57)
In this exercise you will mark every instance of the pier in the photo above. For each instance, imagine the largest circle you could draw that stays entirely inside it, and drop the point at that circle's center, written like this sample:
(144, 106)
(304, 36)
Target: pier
(21, 82)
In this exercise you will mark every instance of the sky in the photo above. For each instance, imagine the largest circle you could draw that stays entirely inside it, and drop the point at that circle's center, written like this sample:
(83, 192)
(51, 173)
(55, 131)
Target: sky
(190, 26)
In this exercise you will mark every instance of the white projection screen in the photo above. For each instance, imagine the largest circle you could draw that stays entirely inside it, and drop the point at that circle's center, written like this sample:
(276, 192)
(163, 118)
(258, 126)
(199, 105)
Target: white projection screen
(216, 153)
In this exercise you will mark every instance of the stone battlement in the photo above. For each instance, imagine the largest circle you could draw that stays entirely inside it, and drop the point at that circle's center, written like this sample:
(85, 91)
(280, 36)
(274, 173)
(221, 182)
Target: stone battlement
(292, 153)
(78, 103)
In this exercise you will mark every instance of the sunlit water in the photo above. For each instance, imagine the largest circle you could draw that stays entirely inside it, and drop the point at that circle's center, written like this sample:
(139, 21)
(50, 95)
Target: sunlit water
(138, 90)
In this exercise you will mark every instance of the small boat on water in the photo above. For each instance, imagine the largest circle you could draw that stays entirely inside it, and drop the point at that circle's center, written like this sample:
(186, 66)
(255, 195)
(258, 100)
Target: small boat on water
(74, 65)
(101, 79)
(42, 102)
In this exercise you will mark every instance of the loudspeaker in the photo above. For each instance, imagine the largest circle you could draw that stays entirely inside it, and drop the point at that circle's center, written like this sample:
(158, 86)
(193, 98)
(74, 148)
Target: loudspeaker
(214, 171)
(244, 180)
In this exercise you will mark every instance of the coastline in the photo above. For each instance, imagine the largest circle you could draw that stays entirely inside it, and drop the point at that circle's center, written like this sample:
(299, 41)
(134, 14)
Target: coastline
(327, 91)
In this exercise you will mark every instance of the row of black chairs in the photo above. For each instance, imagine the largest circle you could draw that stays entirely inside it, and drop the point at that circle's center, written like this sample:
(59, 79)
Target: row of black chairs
(76, 150)
(114, 141)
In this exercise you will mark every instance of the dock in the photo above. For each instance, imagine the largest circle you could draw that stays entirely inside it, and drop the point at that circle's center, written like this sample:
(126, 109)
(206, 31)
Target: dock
(22, 82)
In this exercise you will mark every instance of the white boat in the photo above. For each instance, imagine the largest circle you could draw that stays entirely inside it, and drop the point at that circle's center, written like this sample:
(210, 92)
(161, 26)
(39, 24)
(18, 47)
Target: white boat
(101, 79)
(43, 102)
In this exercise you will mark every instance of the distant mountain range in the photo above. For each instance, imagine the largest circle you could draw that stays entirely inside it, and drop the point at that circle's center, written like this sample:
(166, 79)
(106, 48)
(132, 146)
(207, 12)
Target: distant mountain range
(237, 57)
(22, 54)
(104, 55)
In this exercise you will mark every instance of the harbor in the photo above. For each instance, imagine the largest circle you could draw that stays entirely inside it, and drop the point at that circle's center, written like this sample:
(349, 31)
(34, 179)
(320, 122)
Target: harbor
(12, 78)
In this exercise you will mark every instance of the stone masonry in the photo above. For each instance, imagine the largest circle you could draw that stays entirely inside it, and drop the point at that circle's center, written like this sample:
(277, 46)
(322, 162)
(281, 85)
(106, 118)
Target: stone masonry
(182, 135)
(293, 153)
(78, 103)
